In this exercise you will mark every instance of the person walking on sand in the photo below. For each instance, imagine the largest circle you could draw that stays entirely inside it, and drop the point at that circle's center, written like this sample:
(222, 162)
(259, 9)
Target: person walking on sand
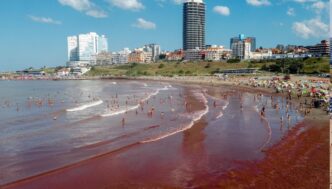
(263, 111)
(289, 118)
(123, 122)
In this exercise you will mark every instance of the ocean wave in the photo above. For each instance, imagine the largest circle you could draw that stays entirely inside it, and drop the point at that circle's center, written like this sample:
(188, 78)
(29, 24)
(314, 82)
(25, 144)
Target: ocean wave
(225, 106)
(195, 117)
(114, 113)
(256, 108)
(219, 115)
(122, 111)
(85, 106)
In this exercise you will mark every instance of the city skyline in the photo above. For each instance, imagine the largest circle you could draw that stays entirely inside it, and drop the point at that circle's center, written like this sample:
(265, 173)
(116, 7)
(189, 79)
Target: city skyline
(37, 30)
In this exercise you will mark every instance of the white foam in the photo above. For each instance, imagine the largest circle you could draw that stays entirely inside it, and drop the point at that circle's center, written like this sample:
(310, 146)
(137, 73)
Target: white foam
(85, 106)
(119, 111)
(196, 117)
(114, 83)
(256, 108)
(220, 115)
(114, 113)
(225, 106)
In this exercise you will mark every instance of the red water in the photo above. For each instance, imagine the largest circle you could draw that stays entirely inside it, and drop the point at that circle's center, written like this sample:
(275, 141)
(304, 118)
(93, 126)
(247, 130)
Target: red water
(190, 158)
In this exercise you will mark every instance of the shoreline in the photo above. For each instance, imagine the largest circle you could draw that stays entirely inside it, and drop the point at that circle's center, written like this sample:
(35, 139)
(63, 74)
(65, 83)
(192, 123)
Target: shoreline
(192, 84)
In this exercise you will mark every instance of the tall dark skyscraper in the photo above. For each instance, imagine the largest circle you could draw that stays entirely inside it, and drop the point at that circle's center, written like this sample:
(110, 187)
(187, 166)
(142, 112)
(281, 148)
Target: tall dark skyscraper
(193, 24)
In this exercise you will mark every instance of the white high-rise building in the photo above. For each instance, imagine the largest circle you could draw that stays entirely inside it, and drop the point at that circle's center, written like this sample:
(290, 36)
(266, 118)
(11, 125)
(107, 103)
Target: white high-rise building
(72, 48)
(241, 49)
(83, 48)
(154, 49)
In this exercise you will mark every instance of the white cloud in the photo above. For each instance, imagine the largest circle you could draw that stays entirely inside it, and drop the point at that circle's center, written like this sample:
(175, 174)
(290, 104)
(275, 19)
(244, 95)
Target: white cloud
(161, 2)
(127, 4)
(320, 6)
(311, 28)
(259, 2)
(44, 20)
(179, 1)
(291, 12)
(144, 24)
(96, 13)
(223, 10)
(85, 6)
(305, 1)
(80, 5)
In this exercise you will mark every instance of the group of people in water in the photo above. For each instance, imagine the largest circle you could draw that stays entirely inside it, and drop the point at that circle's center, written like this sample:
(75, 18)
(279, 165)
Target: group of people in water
(144, 105)
(115, 104)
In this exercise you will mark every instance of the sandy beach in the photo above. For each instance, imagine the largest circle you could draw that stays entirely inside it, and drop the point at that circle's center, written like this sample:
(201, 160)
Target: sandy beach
(219, 151)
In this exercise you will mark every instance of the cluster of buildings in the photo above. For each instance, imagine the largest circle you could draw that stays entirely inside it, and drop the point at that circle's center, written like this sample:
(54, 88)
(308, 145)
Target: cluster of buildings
(209, 53)
(92, 49)
(241, 47)
(146, 54)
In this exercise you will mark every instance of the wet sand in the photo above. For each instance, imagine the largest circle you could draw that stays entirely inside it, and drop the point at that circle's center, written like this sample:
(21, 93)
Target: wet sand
(198, 158)
(300, 160)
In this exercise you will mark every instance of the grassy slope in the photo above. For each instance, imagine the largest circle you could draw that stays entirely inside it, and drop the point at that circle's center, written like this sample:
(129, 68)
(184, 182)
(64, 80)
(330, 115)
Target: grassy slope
(168, 69)
(194, 68)
(317, 65)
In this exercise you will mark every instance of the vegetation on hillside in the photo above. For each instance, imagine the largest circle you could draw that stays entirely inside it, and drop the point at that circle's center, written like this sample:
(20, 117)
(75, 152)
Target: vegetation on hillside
(299, 66)
(165, 69)
(287, 66)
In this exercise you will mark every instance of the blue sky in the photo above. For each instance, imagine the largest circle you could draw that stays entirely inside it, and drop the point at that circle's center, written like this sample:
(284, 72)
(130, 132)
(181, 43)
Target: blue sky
(33, 32)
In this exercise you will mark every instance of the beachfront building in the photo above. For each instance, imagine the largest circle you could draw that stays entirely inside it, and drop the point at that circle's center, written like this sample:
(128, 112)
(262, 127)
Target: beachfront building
(241, 49)
(136, 56)
(154, 49)
(103, 58)
(281, 48)
(261, 54)
(241, 37)
(121, 57)
(140, 56)
(176, 55)
(63, 72)
(79, 71)
(290, 48)
(83, 48)
(217, 53)
(193, 24)
(194, 54)
(32, 72)
(321, 49)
